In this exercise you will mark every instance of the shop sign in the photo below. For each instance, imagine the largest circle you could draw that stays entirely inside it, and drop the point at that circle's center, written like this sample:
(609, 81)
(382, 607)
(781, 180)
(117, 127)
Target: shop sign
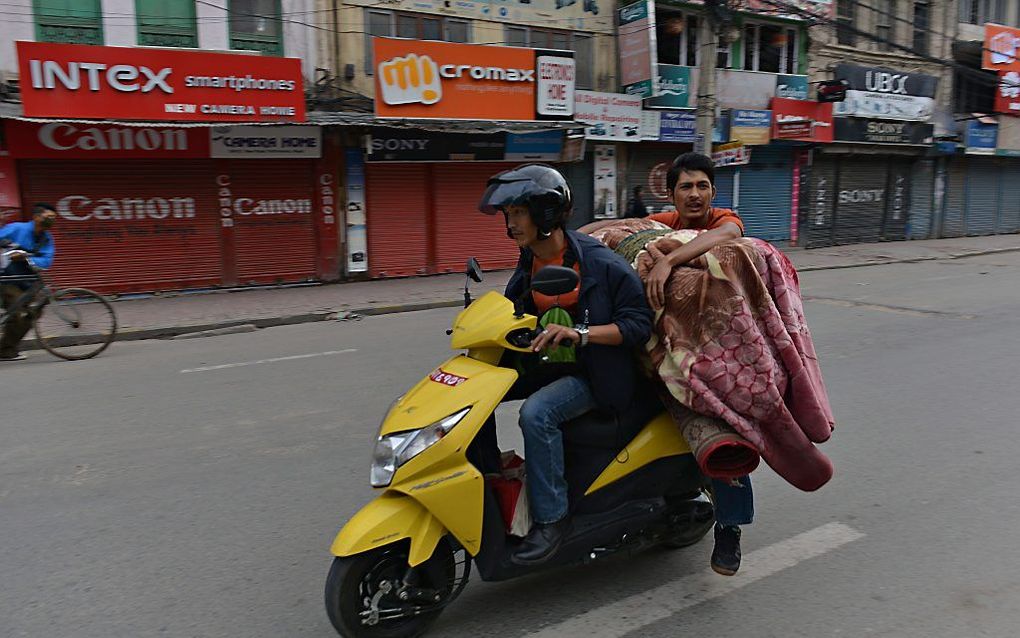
(1007, 94)
(605, 182)
(751, 127)
(85, 81)
(262, 142)
(792, 87)
(678, 126)
(650, 123)
(886, 94)
(745, 89)
(801, 120)
(732, 154)
(610, 116)
(1001, 48)
(9, 195)
(357, 242)
(66, 140)
(425, 79)
(981, 138)
(1008, 141)
(676, 85)
(532, 147)
(636, 41)
(413, 145)
(882, 131)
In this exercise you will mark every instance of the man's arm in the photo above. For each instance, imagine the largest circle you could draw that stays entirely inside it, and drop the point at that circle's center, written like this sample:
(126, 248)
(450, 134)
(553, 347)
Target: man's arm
(655, 285)
(44, 257)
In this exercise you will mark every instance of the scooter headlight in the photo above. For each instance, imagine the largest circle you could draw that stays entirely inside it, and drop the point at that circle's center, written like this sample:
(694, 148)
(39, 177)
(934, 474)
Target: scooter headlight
(394, 450)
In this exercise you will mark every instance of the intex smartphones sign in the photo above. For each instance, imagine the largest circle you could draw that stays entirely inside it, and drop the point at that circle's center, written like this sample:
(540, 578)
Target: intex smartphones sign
(421, 79)
(83, 81)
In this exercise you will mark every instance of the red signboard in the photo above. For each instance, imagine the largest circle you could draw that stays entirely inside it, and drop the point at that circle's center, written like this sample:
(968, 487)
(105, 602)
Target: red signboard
(28, 140)
(1001, 51)
(83, 81)
(801, 120)
(1007, 94)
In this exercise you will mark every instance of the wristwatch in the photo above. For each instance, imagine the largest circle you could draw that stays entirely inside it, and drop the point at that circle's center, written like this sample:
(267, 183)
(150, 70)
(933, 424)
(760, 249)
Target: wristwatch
(582, 331)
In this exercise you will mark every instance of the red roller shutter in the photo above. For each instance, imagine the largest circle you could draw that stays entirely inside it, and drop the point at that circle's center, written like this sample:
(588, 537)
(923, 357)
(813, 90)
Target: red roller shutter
(461, 230)
(397, 200)
(130, 225)
(274, 231)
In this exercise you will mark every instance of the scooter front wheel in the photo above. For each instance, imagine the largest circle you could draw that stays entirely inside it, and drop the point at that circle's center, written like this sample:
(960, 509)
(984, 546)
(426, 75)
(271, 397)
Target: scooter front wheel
(376, 594)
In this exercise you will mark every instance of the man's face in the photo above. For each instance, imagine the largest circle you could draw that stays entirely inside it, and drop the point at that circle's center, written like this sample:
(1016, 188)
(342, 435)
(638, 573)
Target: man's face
(45, 219)
(520, 226)
(693, 195)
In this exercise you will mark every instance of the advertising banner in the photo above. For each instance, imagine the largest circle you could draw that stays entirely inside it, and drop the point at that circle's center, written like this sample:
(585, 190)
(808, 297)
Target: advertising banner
(357, 241)
(137, 83)
(66, 140)
(544, 146)
(981, 138)
(751, 127)
(882, 132)
(745, 89)
(605, 182)
(650, 123)
(415, 145)
(610, 116)
(885, 93)
(792, 87)
(426, 79)
(265, 141)
(1007, 95)
(636, 41)
(801, 120)
(676, 87)
(1000, 49)
(678, 126)
(732, 154)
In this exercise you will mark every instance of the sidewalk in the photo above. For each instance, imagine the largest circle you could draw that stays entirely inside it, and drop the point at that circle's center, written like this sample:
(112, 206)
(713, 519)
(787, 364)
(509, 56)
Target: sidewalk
(240, 310)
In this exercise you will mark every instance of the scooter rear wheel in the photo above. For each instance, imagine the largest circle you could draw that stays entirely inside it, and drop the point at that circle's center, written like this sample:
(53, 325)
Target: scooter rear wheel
(362, 598)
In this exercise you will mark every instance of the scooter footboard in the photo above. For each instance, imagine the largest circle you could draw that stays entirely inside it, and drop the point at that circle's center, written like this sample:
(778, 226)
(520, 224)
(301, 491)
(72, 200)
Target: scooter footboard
(390, 518)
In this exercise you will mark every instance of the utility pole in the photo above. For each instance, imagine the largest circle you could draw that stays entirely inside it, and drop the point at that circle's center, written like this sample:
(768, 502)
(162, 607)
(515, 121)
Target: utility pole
(708, 46)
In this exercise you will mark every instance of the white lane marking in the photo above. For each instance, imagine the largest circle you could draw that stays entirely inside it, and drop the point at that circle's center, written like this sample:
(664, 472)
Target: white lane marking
(274, 360)
(641, 610)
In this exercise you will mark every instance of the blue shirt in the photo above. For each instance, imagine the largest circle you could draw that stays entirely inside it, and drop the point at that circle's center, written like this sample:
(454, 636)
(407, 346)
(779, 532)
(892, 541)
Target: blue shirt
(23, 234)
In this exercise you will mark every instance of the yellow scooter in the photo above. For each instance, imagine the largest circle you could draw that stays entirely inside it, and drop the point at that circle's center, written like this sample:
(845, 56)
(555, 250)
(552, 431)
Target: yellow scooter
(408, 553)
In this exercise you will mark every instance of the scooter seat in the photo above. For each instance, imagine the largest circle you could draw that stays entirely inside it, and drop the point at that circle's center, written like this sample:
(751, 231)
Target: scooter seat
(604, 430)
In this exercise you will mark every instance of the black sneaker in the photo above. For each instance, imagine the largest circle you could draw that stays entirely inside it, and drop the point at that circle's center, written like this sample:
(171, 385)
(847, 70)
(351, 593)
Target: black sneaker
(726, 555)
(17, 356)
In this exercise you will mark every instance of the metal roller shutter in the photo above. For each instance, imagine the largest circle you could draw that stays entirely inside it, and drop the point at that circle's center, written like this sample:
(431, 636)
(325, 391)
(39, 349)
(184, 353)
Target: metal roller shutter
(724, 180)
(396, 203)
(956, 196)
(921, 209)
(1009, 204)
(581, 177)
(647, 166)
(274, 232)
(130, 226)
(817, 212)
(982, 195)
(766, 193)
(461, 230)
(897, 201)
(860, 202)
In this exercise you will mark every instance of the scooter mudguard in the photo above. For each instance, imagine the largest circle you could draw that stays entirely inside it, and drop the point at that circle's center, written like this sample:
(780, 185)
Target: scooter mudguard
(657, 440)
(389, 518)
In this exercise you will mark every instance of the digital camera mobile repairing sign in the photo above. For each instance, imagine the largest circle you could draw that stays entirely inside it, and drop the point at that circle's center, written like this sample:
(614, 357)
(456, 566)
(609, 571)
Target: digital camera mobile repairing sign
(100, 82)
(419, 79)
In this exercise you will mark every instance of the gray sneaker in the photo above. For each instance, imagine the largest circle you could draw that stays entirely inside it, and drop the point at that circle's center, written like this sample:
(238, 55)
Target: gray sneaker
(17, 356)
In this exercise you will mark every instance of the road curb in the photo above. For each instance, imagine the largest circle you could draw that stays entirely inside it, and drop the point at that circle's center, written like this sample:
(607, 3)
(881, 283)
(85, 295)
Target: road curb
(910, 260)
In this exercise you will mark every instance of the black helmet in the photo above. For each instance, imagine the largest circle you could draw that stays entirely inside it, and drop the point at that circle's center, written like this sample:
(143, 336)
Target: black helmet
(539, 187)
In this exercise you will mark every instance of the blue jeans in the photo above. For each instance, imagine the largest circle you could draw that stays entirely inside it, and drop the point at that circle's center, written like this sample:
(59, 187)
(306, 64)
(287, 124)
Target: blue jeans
(734, 501)
(540, 419)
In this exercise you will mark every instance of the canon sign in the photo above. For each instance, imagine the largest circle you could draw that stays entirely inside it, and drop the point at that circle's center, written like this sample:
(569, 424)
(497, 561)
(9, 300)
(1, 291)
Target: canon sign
(121, 77)
(78, 208)
(64, 137)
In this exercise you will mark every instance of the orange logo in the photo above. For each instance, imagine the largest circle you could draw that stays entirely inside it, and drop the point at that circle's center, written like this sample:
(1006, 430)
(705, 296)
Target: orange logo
(410, 80)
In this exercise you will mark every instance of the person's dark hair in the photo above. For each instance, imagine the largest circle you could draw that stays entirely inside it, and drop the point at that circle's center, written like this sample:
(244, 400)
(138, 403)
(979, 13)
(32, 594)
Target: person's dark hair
(637, 190)
(687, 163)
(41, 208)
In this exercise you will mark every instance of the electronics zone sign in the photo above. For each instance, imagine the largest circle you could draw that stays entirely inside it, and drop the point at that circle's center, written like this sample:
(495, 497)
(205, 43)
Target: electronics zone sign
(83, 81)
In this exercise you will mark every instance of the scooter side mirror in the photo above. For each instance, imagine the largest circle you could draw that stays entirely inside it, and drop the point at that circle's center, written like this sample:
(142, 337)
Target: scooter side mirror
(474, 270)
(554, 280)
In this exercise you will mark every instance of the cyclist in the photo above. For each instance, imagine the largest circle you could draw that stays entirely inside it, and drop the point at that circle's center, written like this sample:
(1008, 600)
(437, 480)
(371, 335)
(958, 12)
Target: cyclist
(35, 249)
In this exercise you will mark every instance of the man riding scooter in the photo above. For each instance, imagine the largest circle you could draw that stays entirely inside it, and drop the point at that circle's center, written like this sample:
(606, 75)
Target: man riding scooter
(611, 320)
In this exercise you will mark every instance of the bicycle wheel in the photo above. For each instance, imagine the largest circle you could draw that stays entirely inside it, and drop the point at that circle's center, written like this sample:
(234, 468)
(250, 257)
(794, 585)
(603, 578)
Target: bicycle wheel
(75, 324)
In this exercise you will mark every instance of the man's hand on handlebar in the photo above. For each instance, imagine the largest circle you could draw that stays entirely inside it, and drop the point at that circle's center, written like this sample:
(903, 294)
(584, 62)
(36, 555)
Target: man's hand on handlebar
(555, 334)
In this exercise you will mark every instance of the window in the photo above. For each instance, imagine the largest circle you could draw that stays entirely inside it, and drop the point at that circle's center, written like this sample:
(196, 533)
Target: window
(845, 22)
(419, 26)
(676, 36)
(166, 23)
(981, 11)
(974, 90)
(255, 25)
(75, 21)
(582, 44)
(922, 13)
(770, 48)
(884, 24)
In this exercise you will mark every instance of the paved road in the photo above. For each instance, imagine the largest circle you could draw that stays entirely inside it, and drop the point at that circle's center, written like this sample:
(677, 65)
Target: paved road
(161, 491)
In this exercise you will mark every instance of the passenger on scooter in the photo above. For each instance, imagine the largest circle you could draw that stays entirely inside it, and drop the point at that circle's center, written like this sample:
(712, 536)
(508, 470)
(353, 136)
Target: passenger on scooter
(611, 321)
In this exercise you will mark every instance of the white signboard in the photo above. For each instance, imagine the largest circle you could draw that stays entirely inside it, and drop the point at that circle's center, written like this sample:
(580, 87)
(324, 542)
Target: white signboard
(887, 106)
(611, 116)
(605, 182)
(555, 85)
(744, 89)
(650, 123)
(263, 142)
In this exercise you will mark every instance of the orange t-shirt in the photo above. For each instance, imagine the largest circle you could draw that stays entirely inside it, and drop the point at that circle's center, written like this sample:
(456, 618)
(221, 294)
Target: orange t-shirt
(544, 302)
(716, 218)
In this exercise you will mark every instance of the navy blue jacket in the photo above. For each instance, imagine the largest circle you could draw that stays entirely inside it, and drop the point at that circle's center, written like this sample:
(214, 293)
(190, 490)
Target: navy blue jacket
(611, 292)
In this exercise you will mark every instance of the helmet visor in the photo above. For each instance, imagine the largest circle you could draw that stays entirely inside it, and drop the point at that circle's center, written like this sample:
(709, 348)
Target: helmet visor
(509, 189)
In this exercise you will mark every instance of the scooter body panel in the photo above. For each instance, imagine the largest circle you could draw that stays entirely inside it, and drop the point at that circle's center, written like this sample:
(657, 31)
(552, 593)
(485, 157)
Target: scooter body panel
(659, 439)
(487, 322)
(390, 518)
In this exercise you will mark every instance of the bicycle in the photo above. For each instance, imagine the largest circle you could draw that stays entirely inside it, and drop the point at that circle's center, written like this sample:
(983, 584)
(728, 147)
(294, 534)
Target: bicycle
(63, 319)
